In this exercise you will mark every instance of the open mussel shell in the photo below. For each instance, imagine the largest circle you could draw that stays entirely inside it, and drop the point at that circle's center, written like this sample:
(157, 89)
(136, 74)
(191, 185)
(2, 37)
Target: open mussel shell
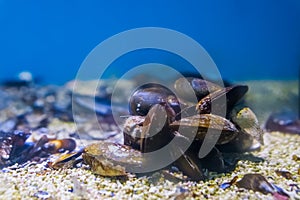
(223, 99)
(11, 143)
(150, 94)
(112, 159)
(225, 130)
(68, 160)
(189, 88)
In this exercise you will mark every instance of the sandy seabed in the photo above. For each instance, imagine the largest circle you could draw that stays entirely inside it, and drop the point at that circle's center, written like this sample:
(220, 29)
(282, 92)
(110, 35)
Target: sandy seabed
(38, 182)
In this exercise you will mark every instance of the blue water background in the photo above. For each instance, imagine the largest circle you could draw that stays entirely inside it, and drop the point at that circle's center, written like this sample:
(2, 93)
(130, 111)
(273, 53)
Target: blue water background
(257, 39)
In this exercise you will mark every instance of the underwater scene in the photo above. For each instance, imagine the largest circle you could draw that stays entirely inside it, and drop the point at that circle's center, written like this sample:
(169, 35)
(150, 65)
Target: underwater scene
(150, 100)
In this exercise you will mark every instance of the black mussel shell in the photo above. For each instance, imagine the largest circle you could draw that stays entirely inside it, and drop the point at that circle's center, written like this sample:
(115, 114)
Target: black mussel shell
(286, 122)
(11, 144)
(201, 88)
(150, 94)
(214, 161)
(190, 165)
(256, 182)
(232, 94)
(31, 151)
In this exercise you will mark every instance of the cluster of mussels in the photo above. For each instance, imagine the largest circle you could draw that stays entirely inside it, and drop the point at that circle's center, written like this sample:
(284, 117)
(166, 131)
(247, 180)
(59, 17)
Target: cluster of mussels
(15, 149)
(175, 127)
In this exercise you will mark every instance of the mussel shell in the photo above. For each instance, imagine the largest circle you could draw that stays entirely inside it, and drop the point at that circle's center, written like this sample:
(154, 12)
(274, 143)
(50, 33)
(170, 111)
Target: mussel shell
(286, 122)
(22, 152)
(222, 99)
(148, 133)
(65, 160)
(191, 166)
(214, 161)
(201, 123)
(112, 159)
(56, 146)
(150, 94)
(256, 182)
(201, 88)
(247, 122)
(156, 132)
(10, 144)
(241, 143)
(132, 131)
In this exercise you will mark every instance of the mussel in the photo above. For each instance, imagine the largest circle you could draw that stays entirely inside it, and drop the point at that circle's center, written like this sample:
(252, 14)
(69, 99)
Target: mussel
(15, 149)
(223, 99)
(150, 94)
(188, 88)
(287, 122)
(111, 159)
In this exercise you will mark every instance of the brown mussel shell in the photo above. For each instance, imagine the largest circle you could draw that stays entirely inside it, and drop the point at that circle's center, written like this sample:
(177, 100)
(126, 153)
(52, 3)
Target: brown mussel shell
(132, 131)
(201, 123)
(65, 160)
(241, 143)
(247, 122)
(249, 130)
(112, 159)
(148, 133)
(156, 133)
(150, 94)
(230, 96)
(56, 146)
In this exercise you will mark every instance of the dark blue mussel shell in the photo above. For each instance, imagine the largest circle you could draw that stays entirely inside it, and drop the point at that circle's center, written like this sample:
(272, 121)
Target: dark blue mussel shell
(287, 122)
